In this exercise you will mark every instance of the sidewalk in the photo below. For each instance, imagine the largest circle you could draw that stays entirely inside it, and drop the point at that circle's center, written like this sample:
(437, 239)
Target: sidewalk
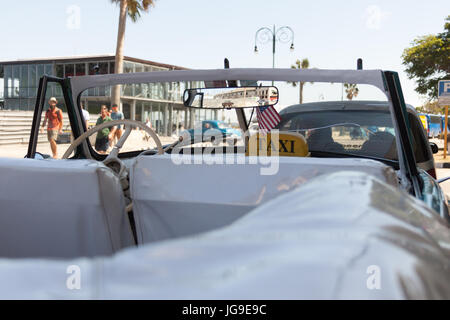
(133, 143)
(439, 160)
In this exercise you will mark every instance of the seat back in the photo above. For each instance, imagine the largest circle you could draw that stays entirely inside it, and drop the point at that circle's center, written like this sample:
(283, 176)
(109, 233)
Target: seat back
(188, 194)
(61, 209)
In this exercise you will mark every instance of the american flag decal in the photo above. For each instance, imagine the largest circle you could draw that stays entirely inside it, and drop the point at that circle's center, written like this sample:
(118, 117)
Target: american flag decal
(268, 118)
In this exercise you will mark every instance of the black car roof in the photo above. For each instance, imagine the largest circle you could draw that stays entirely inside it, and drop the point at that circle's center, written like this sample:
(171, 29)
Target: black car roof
(340, 105)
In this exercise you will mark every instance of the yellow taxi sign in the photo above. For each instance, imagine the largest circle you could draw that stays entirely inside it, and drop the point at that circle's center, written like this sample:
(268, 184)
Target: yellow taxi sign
(284, 144)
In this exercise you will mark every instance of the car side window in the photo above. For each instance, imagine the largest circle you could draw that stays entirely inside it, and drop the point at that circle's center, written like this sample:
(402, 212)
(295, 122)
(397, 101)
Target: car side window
(420, 144)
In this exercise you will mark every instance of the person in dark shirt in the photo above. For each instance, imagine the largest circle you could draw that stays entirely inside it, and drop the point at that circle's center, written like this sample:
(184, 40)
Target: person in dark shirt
(105, 135)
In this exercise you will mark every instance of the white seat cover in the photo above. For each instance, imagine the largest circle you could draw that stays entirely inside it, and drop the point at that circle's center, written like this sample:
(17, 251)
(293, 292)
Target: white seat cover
(60, 208)
(172, 200)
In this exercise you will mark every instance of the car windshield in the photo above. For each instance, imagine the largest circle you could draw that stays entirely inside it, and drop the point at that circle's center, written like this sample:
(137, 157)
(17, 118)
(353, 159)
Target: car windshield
(174, 108)
(359, 132)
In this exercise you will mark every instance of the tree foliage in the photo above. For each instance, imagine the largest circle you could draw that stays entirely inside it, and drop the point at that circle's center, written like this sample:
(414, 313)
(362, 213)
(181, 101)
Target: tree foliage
(132, 9)
(431, 107)
(300, 64)
(351, 90)
(135, 7)
(428, 61)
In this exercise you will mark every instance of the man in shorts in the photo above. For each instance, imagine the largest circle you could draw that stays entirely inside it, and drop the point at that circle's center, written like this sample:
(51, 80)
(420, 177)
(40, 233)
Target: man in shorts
(116, 115)
(105, 135)
(55, 122)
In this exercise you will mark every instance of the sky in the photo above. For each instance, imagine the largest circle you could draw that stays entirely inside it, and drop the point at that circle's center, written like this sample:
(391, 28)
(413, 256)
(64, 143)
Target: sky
(199, 34)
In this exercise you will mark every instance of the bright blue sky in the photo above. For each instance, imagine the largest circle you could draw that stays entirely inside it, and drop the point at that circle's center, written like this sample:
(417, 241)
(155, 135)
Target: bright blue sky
(200, 33)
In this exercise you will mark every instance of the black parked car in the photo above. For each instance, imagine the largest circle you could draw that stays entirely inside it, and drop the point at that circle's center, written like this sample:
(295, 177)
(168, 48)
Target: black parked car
(362, 128)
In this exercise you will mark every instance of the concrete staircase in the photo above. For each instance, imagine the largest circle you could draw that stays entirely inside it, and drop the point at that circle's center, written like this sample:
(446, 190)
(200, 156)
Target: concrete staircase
(15, 127)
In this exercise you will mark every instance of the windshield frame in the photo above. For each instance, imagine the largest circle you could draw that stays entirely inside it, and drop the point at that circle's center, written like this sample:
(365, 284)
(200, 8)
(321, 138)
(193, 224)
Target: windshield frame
(387, 81)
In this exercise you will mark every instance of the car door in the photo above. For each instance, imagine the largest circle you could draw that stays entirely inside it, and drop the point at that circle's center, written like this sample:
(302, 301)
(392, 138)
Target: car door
(422, 185)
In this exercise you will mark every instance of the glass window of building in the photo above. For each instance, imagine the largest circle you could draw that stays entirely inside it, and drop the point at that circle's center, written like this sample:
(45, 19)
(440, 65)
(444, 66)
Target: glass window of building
(15, 74)
(103, 68)
(2, 84)
(138, 114)
(91, 68)
(32, 92)
(145, 92)
(7, 81)
(15, 81)
(128, 90)
(32, 76)
(108, 91)
(69, 70)
(23, 92)
(49, 69)
(60, 70)
(40, 70)
(112, 66)
(139, 67)
(7, 70)
(80, 69)
(24, 76)
(138, 90)
(128, 67)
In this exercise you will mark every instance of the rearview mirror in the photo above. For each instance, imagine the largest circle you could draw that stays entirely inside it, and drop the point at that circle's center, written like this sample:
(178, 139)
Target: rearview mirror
(229, 98)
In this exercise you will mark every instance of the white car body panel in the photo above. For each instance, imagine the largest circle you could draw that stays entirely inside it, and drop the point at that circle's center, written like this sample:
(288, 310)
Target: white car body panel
(315, 242)
(313, 230)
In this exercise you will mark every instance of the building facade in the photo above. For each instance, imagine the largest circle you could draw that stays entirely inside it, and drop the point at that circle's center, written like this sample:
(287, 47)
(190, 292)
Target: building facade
(160, 103)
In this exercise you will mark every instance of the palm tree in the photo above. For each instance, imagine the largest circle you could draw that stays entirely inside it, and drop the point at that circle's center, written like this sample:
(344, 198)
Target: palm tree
(300, 64)
(351, 90)
(132, 9)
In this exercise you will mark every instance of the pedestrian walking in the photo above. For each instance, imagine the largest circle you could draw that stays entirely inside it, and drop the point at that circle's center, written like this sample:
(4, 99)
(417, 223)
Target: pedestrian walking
(54, 118)
(116, 115)
(104, 136)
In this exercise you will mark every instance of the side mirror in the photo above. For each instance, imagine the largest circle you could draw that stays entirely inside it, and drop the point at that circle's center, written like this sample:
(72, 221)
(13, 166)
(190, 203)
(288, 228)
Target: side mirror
(434, 147)
(40, 156)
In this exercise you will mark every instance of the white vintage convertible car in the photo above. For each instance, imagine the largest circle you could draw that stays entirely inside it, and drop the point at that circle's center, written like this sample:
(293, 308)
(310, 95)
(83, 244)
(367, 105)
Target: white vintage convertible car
(189, 221)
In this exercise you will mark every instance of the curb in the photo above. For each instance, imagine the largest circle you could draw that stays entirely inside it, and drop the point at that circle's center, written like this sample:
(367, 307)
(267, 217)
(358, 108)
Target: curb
(442, 165)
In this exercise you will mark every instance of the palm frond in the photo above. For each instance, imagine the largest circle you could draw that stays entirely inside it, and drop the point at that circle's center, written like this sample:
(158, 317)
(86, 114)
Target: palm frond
(136, 7)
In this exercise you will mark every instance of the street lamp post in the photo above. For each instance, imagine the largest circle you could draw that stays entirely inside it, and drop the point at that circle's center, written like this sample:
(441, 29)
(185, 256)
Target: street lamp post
(265, 35)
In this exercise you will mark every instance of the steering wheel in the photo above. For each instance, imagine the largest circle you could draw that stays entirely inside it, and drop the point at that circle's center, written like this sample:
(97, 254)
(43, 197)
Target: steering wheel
(112, 161)
(115, 151)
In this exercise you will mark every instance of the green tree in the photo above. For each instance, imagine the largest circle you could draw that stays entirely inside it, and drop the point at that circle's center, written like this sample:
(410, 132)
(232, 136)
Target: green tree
(133, 10)
(431, 107)
(427, 61)
(300, 64)
(351, 90)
